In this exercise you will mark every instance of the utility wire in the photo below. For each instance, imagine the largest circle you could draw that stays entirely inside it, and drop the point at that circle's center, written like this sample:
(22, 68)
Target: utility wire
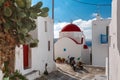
(92, 3)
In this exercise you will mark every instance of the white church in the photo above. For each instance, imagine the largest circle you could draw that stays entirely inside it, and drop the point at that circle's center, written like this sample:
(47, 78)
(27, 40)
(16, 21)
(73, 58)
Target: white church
(71, 43)
(31, 61)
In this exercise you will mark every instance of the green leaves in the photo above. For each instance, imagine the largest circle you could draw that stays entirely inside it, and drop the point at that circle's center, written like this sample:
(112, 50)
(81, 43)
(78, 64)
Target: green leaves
(33, 15)
(20, 3)
(18, 18)
(43, 14)
(34, 43)
(36, 10)
(7, 26)
(38, 5)
(17, 75)
(7, 11)
(22, 14)
(28, 3)
(24, 31)
(45, 9)
(1, 2)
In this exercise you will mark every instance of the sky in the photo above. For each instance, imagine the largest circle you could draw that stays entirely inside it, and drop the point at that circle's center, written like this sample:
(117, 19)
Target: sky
(67, 11)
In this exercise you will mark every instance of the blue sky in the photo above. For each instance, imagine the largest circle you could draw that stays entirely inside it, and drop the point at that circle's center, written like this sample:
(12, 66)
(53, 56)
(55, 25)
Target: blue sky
(72, 10)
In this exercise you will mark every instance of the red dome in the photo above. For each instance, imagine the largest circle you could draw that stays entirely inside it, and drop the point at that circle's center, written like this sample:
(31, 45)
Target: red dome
(71, 28)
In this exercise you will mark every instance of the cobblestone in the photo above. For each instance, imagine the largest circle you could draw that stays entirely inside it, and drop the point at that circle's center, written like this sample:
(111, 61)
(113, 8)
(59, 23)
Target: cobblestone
(65, 72)
(56, 75)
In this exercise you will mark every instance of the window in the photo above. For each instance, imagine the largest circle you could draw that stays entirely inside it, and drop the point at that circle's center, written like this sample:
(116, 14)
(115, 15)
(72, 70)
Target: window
(64, 49)
(45, 26)
(107, 30)
(48, 45)
(103, 39)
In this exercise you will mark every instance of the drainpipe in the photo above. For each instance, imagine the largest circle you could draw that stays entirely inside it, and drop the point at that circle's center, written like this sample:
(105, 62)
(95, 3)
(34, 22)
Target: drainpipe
(53, 28)
(109, 43)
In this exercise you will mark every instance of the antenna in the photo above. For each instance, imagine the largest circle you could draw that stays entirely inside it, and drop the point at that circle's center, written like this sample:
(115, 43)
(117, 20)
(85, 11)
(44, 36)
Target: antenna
(53, 9)
(71, 21)
(98, 9)
(98, 12)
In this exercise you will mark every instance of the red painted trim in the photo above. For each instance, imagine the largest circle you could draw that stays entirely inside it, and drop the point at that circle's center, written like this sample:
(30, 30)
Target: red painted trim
(26, 56)
(73, 40)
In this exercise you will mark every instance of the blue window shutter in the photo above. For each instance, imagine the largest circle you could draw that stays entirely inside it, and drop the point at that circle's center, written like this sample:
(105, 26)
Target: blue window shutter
(103, 39)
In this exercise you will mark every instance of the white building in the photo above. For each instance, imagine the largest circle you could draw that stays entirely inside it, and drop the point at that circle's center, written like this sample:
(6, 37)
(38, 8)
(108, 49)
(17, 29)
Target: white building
(100, 41)
(71, 43)
(31, 61)
(114, 42)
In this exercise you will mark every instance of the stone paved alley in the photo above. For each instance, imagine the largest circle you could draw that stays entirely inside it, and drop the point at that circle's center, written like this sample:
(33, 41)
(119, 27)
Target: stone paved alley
(65, 72)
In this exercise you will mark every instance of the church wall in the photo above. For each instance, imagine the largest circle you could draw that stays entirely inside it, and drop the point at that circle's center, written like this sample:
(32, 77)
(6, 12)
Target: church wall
(65, 47)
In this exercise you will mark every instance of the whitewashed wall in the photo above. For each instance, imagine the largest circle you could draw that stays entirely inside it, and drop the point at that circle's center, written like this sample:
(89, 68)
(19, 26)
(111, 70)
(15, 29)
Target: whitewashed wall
(40, 54)
(72, 49)
(114, 53)
(99, 51)
(85, 56)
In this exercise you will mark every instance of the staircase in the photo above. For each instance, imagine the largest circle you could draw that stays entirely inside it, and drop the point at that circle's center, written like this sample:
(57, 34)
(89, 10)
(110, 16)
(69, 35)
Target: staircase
(32, 75)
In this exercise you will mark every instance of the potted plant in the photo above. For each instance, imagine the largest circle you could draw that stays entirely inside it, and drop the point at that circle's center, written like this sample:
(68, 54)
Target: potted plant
(6, 76)
(79, 64)
(63, 60)
(17, 19)
(17, 76)
(58, 60)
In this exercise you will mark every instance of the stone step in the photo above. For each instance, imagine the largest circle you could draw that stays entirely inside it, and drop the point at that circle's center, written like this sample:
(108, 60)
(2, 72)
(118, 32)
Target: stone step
(32, 75)
(99, 77)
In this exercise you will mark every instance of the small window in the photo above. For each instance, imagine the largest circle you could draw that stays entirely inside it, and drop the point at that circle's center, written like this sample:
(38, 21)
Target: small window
(45, 26)
(64, 49)
(103, 39)
(107, 30)
(48, 45)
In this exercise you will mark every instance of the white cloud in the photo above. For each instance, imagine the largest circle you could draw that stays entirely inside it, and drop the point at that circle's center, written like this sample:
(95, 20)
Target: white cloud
(88, 34)
(94, 14)
(58, 27)
(85, 26)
